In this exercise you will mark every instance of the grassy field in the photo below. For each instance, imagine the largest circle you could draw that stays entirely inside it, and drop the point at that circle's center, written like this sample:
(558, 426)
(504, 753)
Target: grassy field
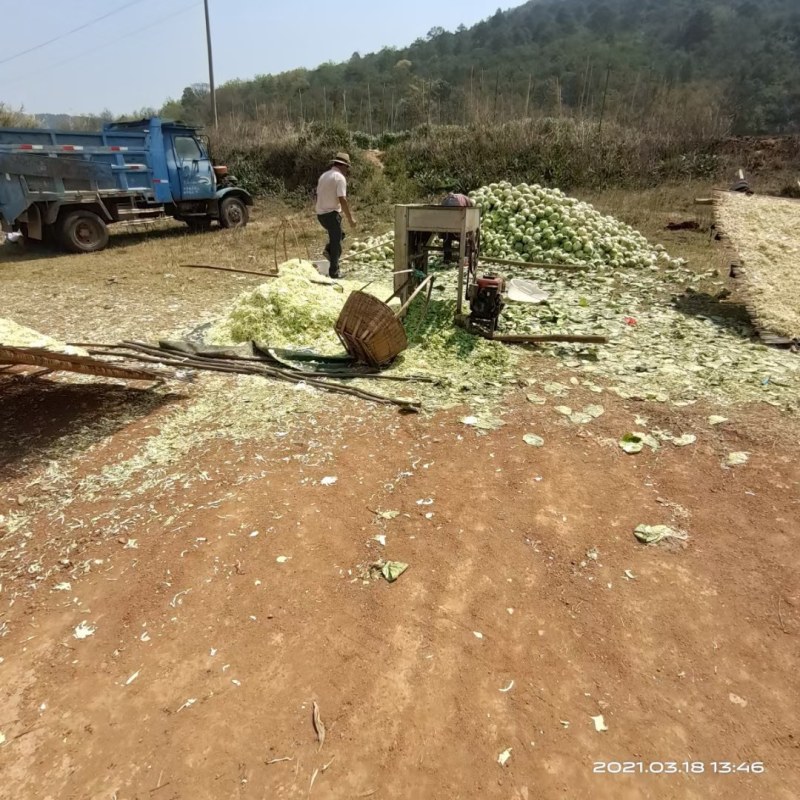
(138, 286)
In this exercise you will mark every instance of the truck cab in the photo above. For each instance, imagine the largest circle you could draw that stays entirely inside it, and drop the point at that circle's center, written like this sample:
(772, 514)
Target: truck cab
(194, 177)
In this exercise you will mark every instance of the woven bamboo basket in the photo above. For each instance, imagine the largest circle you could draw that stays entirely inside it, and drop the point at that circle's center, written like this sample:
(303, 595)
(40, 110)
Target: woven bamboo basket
(370, 331)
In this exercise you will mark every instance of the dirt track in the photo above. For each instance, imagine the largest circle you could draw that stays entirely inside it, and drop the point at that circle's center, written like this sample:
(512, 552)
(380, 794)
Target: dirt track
(208, 652)
(691, 661)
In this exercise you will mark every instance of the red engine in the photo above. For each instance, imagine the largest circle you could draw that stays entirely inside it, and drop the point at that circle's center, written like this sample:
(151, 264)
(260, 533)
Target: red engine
(486, 301)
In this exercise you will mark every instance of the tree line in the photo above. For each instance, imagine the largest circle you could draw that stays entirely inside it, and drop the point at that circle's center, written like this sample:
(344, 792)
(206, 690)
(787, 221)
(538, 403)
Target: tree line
(698, 67)
(711, 64)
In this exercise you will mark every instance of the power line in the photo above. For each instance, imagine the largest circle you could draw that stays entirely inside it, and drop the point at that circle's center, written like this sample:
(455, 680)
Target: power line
(103, 46)
(69, 33)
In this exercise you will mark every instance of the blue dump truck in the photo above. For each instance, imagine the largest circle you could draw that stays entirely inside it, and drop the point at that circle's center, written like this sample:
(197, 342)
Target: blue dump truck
(71, 185)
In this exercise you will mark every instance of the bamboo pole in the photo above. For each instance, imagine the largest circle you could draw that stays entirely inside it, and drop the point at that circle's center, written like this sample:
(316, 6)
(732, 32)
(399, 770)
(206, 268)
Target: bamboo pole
(544, 339)
(419, 288)
(321, 281)
(152, 354)
(232, 269)
(535, 264)
(62, 362)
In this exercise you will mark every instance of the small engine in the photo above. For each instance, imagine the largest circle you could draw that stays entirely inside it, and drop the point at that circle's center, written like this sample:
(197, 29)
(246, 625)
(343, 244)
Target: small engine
(224, 178)
(486, 301)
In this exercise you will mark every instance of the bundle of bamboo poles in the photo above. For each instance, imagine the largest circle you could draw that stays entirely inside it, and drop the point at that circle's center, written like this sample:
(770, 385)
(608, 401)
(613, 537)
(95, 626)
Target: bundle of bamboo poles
(139, 351)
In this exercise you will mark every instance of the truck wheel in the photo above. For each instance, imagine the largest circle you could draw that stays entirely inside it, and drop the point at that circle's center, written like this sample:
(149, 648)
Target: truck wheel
(233, 213)
(83, 232)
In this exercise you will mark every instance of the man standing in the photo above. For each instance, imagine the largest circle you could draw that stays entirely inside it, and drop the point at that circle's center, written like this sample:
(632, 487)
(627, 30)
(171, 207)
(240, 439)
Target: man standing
(331, 201)
(449, 239)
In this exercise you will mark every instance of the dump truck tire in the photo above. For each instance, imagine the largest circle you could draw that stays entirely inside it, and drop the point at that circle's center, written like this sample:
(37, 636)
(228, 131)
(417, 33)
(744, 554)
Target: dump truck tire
(233, 213)
(83, 232)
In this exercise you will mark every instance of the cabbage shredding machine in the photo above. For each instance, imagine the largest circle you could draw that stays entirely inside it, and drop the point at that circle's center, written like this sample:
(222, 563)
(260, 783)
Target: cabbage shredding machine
(416, 231)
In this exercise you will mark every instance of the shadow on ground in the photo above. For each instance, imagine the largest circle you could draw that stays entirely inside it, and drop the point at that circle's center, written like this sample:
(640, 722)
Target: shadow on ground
(37, 417)
(730, 316)
(126, 238)
(121, 237)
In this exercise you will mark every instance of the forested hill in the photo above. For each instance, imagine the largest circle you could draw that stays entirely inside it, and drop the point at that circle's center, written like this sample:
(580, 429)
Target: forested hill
(712, 62)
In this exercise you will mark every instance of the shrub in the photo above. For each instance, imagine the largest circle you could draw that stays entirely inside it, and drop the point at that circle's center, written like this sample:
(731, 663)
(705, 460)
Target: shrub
(557, 152)
(16, 118)
(287, 162)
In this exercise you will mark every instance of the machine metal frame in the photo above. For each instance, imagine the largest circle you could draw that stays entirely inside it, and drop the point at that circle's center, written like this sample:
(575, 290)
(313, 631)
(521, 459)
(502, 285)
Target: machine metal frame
(414, 228)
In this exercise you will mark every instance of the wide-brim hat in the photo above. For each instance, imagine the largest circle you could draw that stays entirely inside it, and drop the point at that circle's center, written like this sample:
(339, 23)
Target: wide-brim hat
(342, 158)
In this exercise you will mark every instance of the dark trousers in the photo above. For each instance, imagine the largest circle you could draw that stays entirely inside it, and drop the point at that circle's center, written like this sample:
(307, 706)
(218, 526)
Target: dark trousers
(332, 222)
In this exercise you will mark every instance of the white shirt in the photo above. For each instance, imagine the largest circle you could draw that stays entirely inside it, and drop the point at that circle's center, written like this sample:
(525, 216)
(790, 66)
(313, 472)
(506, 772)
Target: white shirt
(332, 186)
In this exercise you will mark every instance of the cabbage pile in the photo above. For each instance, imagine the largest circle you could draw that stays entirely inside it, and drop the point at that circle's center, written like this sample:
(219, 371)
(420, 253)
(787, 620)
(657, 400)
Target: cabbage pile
(532, 223)
(298, 310)
(372, 250)
(294, 310)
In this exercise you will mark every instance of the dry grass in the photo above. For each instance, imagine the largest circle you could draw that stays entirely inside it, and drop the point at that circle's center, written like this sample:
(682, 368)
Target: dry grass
(765, 232)
(651, 210)
(137, 287)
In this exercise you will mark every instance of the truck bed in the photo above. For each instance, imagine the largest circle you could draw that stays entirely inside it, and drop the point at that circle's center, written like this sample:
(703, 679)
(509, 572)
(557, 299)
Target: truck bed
(41, 165)
(58, 164)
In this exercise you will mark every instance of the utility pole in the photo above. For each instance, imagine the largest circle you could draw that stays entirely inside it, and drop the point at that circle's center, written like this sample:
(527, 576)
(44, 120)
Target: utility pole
(211, 68)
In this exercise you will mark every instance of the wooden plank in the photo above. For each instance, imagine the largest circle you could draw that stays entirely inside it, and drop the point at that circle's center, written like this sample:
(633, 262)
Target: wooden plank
(443, 219)
(61, 362)
(27, 372)
(127, 212)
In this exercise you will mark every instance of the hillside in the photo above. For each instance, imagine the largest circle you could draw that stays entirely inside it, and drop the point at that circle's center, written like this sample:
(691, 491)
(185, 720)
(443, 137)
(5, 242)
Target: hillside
(709, 64)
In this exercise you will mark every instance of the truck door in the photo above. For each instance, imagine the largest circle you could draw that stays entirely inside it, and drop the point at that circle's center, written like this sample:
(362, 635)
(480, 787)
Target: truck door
(194, 169)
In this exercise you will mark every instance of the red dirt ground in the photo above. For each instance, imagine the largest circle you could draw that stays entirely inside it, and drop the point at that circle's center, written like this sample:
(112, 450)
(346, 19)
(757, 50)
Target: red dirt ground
(694, 660)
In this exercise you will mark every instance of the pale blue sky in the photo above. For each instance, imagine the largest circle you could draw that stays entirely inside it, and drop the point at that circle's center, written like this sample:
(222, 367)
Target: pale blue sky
(115, 64)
